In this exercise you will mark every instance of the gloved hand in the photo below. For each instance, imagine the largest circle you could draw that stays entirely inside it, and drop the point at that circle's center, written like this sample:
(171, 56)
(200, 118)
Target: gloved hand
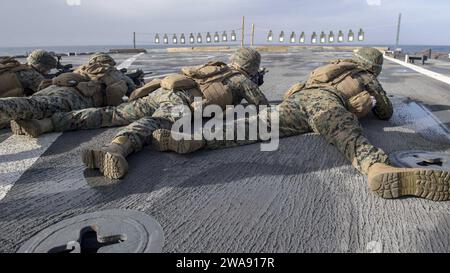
(361, 104)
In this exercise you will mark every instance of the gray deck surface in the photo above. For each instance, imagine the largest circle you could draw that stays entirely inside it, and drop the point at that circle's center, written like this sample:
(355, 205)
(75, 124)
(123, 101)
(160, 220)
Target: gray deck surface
(305, 197)
(439, 66)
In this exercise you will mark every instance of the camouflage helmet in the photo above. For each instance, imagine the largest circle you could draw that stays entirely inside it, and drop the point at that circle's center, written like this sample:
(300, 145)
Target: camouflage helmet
(370, 58)
(42, 60)
(102, 58)
(247, 59)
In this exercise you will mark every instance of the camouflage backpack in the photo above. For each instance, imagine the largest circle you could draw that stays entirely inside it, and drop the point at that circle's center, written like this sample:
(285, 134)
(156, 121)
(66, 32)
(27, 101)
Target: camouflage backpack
(328, 75)
(333, 73)
(210, 78)
(10, 83)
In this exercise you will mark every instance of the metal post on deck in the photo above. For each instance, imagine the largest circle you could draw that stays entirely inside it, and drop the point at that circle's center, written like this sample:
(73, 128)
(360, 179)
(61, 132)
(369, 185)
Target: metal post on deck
(252, 41)
(134, 40)
(243, 31)
(398, 30)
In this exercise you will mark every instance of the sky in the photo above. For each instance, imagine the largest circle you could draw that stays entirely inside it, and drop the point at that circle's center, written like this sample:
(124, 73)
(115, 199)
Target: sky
(112, 22)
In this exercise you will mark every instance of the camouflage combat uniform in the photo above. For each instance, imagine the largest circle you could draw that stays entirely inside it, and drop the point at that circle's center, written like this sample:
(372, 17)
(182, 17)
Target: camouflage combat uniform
(323, 108)
(44, 103)
(30, 81)
(155, 111)
(321, 111)
(55, 98)
(18, 80)
(332, 110)
(21, 80)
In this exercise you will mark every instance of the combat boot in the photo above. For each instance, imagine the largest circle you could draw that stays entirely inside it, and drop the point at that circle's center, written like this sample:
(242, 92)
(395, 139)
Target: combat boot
(110, 159)
(32, 128)
(162, 141)
(390, 182)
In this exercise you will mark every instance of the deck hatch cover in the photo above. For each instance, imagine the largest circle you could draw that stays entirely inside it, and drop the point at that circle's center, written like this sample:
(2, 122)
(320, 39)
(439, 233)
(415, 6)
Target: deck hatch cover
(421, 159)
(110, 231)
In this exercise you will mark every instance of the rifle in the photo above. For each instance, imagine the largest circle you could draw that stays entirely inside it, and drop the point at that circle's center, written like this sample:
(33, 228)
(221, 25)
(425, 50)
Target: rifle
(137, 75)
(61, 69)
(258, 78)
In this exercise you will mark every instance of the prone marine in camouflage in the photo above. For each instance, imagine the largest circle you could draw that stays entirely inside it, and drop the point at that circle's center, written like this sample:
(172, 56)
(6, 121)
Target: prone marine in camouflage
(332, 110)
(156, 106)
(96, 84)
(19, 80)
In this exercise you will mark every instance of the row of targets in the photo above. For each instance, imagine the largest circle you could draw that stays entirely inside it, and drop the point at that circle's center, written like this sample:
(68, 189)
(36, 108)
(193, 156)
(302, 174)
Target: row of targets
(216, 38)
(323, 38)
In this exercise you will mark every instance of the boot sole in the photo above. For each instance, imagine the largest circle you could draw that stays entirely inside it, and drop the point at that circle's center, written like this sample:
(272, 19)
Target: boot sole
(162, 141)
(429, 184)
(114, 166)
(111, 165)
(16, 128)
(22, 128)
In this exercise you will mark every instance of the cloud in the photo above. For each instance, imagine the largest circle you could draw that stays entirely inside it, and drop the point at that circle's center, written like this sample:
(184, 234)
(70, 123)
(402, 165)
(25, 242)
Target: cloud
(374, 2)
(73, 2)
(64, 22)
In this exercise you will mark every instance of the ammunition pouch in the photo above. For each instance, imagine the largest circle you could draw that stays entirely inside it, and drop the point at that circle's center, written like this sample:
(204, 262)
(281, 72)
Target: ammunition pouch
(94, 90)
(361, 104)
(178, 82)
(349, 86)
(340, 75)
(294, 89)
(90, 88)
(216, 93)
(211, 80)
(146, 89)
(330, 73)
(69, 79)
(115, 93)
(44, 84)
(10, 85)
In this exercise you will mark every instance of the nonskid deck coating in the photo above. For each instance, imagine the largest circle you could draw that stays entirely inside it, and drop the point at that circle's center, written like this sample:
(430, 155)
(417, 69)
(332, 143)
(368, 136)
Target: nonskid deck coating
(242, 199)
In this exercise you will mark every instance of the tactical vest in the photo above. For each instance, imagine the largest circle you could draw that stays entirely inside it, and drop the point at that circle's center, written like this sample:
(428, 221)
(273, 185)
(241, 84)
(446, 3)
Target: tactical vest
(341, 75)
(10, 84)
(211, 80)
(114, 86)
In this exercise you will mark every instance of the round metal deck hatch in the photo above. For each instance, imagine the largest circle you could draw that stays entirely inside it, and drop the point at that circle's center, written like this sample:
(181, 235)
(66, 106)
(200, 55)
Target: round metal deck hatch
(421, 159)
(111, 231)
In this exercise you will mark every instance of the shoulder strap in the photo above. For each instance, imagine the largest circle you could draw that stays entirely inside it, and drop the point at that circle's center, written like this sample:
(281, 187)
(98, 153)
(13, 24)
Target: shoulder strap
(346, 74)
(12, 65)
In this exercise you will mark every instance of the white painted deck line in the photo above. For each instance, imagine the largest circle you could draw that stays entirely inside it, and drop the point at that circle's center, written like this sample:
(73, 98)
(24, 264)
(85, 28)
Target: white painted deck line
(17, 155)
(426, 72)
(13, 150)
(128, 62)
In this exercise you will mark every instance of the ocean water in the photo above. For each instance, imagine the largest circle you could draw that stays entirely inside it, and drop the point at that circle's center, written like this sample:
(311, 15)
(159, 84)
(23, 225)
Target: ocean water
(420, 48)
(17, 51)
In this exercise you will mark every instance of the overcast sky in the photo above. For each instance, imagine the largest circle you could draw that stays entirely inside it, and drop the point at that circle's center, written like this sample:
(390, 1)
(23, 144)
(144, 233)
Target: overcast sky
(100, 22)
